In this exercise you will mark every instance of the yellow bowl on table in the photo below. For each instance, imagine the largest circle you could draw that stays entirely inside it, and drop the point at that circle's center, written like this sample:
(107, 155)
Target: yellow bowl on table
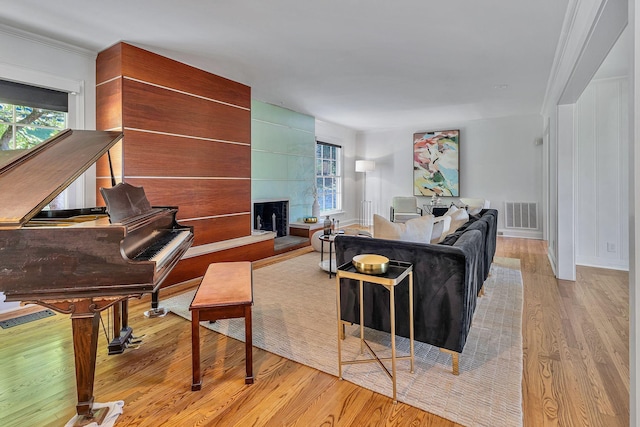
(371, 264)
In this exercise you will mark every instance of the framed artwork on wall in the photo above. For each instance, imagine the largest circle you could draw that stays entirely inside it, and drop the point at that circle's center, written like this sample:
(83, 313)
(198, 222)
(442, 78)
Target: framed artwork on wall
(436, 163)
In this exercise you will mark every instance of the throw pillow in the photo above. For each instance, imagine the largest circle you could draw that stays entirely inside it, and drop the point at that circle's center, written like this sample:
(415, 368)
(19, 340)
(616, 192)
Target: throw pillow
(474, 210)
(416, 230)
(452, 209)
(451, 238)
(458, 217)
(441, 227)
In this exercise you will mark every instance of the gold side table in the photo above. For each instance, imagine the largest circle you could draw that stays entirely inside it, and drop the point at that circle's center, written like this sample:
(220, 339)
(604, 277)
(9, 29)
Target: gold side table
(396, 272)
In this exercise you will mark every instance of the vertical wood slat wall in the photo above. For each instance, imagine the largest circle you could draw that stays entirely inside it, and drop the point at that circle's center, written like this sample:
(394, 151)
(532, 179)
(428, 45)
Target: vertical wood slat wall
(187, 141)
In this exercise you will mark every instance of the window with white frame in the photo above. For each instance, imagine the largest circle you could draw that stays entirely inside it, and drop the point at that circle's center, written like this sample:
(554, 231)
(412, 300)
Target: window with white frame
(30, 115)
(329, 176)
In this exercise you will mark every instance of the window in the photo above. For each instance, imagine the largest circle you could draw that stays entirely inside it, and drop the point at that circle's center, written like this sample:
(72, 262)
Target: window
(28, 116)
(329, 176)
(23, 127)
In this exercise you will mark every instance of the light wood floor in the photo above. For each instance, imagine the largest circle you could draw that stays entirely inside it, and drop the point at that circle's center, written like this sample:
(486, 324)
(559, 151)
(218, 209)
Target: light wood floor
(576, 367)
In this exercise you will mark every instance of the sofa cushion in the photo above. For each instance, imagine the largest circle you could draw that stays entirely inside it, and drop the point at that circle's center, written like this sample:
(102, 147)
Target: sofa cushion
(452, 237)
(417, 230)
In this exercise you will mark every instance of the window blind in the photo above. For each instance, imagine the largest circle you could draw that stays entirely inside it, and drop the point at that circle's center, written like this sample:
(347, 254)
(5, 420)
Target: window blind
(32, 96)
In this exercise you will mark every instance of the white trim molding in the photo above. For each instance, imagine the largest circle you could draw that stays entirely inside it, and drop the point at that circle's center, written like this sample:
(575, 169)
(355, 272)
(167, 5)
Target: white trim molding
(51, 43)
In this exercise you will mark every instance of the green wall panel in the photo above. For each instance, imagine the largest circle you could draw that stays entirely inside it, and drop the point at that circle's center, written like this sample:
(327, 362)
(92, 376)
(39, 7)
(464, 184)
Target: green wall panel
(283, 157)
(268, 189)
(273, 137)
(298, 211)
(266, 165)
(282, 116)
(301, 168)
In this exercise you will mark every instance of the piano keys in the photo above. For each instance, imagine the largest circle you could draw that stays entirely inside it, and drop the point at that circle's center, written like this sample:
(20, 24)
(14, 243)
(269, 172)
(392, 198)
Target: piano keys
(81, 261)
(152, 235)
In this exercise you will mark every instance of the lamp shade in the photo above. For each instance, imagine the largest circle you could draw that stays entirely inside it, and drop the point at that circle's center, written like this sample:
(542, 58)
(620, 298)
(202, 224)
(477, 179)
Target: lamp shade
(365, 165)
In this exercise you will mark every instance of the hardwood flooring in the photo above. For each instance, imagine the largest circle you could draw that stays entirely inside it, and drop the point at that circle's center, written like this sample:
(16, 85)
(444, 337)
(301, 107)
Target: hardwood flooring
(575, 342)
(576, 367)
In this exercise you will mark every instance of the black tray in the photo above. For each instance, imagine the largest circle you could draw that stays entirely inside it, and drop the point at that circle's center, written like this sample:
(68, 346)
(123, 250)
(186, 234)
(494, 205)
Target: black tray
(395, 270)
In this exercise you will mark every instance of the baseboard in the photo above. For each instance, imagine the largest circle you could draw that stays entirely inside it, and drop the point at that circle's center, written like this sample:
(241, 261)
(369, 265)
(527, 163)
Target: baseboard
(610, 264)
(525, 234)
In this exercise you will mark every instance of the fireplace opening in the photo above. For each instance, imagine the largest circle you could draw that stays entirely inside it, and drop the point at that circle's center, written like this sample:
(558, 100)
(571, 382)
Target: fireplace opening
(271, 216)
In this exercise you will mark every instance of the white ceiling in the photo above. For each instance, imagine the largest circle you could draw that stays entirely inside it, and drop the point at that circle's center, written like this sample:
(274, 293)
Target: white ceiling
(364, 64)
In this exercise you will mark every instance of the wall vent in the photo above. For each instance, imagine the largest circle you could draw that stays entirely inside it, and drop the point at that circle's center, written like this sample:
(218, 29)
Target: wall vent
(521, 215)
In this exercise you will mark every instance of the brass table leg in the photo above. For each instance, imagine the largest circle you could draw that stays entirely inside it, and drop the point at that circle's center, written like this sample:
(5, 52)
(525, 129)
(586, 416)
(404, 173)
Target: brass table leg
(392, 313)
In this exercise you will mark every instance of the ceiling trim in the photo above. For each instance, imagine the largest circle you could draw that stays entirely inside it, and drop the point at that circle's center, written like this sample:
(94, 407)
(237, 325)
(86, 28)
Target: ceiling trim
(26, 35)
(589, 30)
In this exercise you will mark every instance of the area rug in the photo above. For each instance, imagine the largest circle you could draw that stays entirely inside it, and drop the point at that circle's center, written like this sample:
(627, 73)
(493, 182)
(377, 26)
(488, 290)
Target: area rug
(294, 316)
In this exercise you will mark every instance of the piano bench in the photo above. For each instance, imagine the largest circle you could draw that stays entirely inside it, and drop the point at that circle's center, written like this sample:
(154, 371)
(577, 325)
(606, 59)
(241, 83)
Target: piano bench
(226, 292)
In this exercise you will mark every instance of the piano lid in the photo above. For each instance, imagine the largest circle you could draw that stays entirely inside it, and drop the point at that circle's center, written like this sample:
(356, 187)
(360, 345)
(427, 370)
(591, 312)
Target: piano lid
(30, 180)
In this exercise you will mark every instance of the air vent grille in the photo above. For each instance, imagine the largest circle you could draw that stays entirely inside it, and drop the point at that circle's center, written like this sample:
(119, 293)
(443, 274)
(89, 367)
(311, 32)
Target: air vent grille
(521, 215)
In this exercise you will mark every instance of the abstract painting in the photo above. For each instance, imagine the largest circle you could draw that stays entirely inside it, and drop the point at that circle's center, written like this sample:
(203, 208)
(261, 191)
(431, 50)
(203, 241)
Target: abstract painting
(436, 163)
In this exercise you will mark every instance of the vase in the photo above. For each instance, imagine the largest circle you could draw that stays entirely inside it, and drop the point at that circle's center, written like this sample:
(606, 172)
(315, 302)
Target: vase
(327, 226)
(315, 209)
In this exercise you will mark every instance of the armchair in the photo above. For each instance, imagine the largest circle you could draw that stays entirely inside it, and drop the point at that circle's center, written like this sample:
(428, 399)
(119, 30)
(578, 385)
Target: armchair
(404, 209)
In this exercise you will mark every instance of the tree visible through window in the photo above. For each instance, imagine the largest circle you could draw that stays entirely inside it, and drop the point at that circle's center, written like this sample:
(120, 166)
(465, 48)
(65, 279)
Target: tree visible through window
(23, 127)
(30, 115)
(329, 176)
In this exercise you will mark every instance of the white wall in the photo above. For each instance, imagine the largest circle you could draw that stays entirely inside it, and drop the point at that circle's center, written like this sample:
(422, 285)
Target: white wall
(590, 30)
(499, 161)
(345, 137)
(602, 172)
(41, 62)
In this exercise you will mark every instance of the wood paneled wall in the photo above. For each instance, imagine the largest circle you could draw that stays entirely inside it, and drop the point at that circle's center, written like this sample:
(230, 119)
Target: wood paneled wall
(187, 141)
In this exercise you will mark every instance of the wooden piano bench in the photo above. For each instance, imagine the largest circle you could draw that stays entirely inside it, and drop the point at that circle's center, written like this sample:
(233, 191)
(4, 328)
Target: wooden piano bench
(226, 292)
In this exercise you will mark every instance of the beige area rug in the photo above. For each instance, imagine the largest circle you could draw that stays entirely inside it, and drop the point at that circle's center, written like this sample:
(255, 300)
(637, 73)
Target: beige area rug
(294, 316)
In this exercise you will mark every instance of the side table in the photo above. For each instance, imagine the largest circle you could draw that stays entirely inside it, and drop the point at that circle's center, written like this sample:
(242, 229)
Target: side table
(328, 238)
(396, 272)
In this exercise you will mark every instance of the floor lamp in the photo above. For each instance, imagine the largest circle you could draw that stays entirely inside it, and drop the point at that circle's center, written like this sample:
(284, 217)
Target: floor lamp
(365, 206)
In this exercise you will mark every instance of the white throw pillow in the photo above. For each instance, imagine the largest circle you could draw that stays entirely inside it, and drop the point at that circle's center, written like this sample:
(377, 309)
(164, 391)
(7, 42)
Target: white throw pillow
(415, 230)
(474, 206)
(474, 210)
(441, 227)
(459, 217)
(452, 209)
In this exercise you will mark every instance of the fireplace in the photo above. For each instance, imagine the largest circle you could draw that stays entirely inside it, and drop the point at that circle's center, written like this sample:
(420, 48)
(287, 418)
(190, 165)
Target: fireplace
(271, 216)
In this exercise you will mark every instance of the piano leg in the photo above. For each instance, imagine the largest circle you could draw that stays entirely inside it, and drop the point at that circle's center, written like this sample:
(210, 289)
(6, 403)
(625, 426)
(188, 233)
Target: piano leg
(155, 311)
(85, 343)
(122, 333)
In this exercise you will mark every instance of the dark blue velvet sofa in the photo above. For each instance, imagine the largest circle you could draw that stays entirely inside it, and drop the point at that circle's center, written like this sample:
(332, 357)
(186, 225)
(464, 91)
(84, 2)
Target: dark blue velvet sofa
(447, 280)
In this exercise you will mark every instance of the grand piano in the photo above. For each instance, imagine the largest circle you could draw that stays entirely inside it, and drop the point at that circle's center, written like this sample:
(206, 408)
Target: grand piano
(81, 261)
